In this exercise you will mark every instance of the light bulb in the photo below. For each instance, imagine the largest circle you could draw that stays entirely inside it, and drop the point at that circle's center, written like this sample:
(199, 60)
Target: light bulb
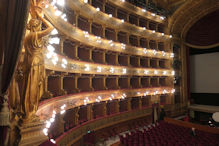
(112, 70)
(172, 55)
(62, 112)
(98, 9)
(54, 40)
(50, 48)
(145, 72)
(61, 2)
(52, 120)
(143, 10)
(124, 70)
(87, 67)
(64, 61)
(45, 131)
(54, 32)
(58, 13)
(152, 14)
(48, 124)
(162, 17)
(123, 46)
(154, 52)
(145, 51)
(49, 55)
(99, 69)
(53, 141)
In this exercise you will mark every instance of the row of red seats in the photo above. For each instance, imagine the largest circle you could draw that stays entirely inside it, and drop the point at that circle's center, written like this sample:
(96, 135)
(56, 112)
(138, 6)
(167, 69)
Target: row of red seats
(168, 134)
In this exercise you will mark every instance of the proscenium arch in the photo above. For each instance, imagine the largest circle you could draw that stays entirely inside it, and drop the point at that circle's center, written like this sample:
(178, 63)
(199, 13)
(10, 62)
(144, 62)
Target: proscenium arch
(188, 14)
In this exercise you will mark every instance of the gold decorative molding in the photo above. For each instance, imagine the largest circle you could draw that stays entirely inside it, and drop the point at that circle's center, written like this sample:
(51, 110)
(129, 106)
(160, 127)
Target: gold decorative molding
(73, 33)
(189, 13)
(136, 10)
(82, 67)
(32, 134)
(90, 12)
(47, 107)
(202, 47)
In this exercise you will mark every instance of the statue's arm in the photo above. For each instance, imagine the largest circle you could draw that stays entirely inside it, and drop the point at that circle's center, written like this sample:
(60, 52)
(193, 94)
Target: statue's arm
(47, 24)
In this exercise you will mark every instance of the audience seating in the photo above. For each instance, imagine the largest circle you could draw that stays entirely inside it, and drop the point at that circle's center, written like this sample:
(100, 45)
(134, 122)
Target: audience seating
(165, 134)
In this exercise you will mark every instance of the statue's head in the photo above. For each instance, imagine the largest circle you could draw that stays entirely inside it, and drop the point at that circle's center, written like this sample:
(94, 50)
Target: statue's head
(34, 25)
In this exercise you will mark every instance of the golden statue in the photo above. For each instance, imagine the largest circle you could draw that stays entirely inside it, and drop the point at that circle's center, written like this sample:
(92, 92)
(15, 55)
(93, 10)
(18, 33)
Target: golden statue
(33, 65)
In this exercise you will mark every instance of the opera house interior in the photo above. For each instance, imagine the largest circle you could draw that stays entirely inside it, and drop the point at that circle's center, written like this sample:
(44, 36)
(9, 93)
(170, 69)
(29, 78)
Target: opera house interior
(109, 72)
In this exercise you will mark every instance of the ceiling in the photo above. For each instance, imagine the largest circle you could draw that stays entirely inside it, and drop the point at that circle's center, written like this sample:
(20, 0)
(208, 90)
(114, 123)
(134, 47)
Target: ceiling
(205, 32)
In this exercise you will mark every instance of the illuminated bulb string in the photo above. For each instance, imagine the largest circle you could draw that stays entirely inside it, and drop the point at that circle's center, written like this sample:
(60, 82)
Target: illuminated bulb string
(86, 34)
(63, 16)
(49, 122)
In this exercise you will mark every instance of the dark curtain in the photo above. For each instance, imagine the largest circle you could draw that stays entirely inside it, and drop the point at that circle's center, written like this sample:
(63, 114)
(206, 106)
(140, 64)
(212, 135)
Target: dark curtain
(12, 31)
(13, 16)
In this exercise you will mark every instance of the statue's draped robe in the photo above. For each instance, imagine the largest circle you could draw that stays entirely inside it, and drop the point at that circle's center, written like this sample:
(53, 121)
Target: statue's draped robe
(33, 74)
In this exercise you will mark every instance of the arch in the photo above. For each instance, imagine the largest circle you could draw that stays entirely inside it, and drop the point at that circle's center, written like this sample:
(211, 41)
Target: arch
(188, 14)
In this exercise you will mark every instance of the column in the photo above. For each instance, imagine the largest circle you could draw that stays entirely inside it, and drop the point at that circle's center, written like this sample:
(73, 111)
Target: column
(90, 54)
(116, 12)
(137, 21)
(104, 110)
(76, 51)
(61, 90)
(117, 106)
(104, 83)
(139, 82)
(89, 112)
(116, 35)
(103, 8)
(140, 102)
(117, 82)
(156, 27)
(117, 58)
(76, 117)
(47, 94)
(90, 82)
(62, 39)
(127, 38)
(103, 33)
(138, 41)
(129, 107)
(147, 25)
(76, 18)
(90, 26)
(90, 2)
(104, 57)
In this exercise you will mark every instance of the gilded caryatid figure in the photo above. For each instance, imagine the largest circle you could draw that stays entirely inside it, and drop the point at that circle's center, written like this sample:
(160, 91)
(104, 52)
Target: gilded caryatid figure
(33, 65)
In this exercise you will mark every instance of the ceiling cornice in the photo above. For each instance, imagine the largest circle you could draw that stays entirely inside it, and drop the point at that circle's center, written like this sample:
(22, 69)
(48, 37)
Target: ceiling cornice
(189, 13)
